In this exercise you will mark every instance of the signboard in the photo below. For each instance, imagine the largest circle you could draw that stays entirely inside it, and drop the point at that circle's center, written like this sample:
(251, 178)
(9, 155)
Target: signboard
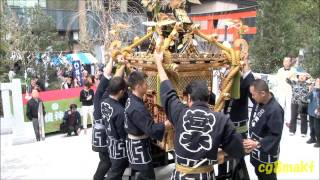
(76, 71)
(56, 102)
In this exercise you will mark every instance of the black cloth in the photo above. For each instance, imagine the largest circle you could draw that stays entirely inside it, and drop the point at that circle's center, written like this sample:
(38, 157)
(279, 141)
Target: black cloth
(317, 128)
(73, 121)
(314, 128)
(98, 96)
(73, 129)
(32, 108)
(238, 112)
(139, 122)
(122, 100)
(83, 97)
(99, 134)
(265, 126)
(32, 115)
(104, 82)
(113, 117)
(212, 99)
(312, 125)
(35, 123)
(237, 167)
(238, 108)
(199, 132)
(103, 166)
(139, 154)
(146, 174)
(41, 85)
(117, 169)
(302, 111)
(264, 173)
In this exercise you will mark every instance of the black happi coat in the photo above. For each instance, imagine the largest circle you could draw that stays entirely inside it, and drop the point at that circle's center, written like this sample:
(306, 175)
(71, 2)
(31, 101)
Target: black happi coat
(99, 136)
(198, 133)
(113, 117)
(238, 108)
(139, 122)
(265, 126)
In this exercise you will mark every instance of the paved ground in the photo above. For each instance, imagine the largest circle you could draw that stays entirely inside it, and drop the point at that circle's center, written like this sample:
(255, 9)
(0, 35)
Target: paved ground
(60, 157)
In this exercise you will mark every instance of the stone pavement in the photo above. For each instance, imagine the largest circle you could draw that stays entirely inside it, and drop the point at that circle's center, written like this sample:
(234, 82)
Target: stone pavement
(61, 157)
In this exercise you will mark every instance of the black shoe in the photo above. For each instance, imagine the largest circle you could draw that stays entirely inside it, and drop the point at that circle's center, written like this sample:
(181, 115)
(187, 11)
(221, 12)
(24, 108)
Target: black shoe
(316, 145)
(311, 141)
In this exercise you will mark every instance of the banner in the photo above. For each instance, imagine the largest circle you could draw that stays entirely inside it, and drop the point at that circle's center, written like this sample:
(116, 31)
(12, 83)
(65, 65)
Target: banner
(56, 102)
(76, 71)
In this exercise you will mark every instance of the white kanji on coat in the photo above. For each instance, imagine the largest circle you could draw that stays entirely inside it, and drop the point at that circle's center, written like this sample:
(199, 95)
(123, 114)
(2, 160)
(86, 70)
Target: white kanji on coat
(198, 125)
(106, 111)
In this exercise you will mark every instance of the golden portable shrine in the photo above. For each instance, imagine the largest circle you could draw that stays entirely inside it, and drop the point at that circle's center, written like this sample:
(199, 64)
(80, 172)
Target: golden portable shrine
(171, 31)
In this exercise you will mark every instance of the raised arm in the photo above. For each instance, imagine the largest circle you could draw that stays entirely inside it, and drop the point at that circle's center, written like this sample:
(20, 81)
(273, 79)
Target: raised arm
(122, 62)
(169, 98)
(290, 81)
(245, 85)
(247, 79)
(108, 69)
(104, 82)
(158, 60)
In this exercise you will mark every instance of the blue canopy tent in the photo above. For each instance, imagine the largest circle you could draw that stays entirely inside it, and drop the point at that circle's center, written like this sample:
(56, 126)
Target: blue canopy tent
(84, 58)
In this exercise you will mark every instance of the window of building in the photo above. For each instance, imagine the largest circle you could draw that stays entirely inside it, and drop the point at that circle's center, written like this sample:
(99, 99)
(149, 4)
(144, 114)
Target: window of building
(215, 23)
(250, 21)
(248, 37)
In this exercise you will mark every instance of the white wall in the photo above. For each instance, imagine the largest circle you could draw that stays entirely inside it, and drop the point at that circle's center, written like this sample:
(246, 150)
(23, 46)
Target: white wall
(215, 6)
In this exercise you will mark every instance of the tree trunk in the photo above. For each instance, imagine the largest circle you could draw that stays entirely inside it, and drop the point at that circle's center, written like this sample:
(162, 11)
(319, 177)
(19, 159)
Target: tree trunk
(124, 6)
(82, 20)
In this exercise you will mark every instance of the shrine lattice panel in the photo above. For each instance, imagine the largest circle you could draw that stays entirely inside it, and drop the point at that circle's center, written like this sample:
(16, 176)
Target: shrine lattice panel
(183, 80)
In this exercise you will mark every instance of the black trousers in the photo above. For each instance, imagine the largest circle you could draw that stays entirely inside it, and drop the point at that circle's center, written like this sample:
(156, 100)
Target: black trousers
(118, 166)
(103, 166)
(264, 171)
(237, 167)
(295, 110)
(36, 129)
(317, 128)
(311, 125)
(146, 174)
(73, 129)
